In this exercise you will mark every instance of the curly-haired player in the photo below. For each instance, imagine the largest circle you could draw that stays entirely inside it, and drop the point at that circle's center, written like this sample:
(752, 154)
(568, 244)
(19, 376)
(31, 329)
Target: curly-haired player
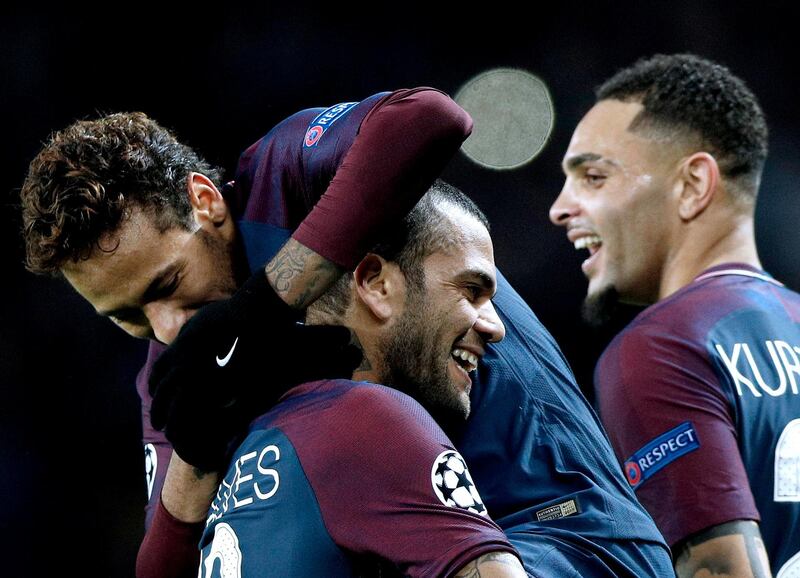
(698, 393)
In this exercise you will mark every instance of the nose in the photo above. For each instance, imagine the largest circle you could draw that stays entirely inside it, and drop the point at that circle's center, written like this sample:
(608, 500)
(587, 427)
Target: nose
(166, 320)
(488, 324)
(564, 208)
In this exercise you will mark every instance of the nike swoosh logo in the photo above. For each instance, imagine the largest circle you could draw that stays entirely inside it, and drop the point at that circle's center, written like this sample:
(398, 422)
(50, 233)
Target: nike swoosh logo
(224, 361)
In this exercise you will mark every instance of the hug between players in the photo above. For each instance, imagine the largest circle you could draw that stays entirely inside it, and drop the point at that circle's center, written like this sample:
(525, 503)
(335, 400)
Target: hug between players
(340, 382)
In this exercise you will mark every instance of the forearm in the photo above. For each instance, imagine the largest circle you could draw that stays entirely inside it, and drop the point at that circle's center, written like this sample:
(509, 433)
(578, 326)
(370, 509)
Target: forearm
(300, 275)
(169, 549)
(729, 550)
(188, 491)
(402, 146)
(493, 565)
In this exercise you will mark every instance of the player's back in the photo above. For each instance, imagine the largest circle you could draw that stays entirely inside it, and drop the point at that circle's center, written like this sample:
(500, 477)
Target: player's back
(544, 465)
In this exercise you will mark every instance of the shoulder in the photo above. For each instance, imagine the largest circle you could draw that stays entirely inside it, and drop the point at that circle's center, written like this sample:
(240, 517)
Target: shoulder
(345, 412)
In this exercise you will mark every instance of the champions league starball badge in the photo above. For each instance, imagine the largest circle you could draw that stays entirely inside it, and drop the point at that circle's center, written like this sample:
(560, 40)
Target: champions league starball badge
(453, 484)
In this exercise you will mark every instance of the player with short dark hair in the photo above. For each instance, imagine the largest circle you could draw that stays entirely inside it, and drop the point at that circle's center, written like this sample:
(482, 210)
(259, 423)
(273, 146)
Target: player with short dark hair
(548, 469)
(697, 393)
(340, 473)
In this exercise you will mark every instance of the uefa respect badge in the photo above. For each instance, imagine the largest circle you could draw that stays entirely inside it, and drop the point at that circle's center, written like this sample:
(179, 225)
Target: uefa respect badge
(660, 452)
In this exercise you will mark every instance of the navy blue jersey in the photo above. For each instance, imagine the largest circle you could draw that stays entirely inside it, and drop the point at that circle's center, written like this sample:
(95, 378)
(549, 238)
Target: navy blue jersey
(340, 474)
(701, 399)
(532, 441)
(544, 465)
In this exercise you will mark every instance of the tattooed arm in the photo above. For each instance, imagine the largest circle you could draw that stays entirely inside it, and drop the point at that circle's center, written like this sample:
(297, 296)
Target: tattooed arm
(493, 565)
(732, 549)
(299, 275)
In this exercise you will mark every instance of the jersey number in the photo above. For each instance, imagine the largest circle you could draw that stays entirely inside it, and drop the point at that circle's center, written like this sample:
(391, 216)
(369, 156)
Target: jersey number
(787, 482)
(224, 559)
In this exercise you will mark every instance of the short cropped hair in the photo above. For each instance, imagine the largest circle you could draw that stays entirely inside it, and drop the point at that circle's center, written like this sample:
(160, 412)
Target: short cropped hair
(424, 231)
(87, 177)
(705, 103)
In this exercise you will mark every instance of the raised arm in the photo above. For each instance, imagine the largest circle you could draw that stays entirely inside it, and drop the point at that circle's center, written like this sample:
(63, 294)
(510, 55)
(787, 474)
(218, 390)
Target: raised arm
(402, 146)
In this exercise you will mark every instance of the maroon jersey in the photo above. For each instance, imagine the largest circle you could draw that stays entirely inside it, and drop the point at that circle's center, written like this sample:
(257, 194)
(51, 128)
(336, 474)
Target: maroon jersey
(384, 151)
(339, 474)
(701, 401)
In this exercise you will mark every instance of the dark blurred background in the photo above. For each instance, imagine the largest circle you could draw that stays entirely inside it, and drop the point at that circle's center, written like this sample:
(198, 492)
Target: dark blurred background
(71, 462)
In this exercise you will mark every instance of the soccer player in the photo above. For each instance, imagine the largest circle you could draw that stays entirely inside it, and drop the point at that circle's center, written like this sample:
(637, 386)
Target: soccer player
(699, 392)
(534, 443)
(342, 475)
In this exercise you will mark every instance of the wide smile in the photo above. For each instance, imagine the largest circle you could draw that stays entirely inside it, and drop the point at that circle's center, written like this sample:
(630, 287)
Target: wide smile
(593, 243)
(460, 365)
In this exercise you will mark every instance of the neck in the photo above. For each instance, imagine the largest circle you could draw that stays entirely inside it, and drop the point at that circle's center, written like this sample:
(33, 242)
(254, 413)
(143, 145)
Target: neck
(366, 371)
(704, 247)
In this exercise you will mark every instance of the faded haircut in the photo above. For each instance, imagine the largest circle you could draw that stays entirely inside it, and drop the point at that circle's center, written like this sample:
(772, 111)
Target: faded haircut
(689, 97)
(424, 231)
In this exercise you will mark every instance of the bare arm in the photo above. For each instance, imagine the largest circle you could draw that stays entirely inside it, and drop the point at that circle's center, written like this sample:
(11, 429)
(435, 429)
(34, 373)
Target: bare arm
(187, 491)
(300, 275)
(733, 549)
(493, 565)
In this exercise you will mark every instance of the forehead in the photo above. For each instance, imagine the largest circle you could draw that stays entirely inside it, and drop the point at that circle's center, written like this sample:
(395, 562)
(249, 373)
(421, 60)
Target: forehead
(469, 248)
(603, 134)
(124, 261)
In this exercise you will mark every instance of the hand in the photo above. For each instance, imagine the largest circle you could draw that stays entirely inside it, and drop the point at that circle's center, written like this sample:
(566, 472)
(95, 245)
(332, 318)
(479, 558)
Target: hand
(231, 362)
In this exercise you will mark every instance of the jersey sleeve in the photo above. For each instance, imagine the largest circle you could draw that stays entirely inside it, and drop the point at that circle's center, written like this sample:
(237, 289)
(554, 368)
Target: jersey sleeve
(169, 549)
(403, 145)
(362, 164)
(157, 450)
(390, 484)
(672, 428)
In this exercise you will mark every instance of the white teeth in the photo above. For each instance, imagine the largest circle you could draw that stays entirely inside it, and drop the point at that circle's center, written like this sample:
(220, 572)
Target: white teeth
(588, 241)
(470, 358)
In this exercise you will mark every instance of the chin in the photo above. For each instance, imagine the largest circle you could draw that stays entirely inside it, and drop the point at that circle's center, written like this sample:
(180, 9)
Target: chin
(600, 306)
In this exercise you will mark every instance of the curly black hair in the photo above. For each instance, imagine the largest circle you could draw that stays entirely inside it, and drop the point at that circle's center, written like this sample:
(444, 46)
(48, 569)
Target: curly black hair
(702, 100)
(88, 176)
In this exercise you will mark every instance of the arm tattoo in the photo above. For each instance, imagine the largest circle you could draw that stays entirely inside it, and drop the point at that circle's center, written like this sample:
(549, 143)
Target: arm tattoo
(287, 264)
(727, 549)
(300, 275)
(473, 569)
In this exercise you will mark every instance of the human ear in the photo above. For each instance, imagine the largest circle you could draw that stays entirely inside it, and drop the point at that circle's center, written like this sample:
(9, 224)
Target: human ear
(699, 178)
(379, 286)
(207, 202)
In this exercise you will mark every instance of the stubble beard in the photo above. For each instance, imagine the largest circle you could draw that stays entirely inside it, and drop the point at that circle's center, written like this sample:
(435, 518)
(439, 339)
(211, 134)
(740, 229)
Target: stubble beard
(601, 307)
(230, 274)
(413, 364)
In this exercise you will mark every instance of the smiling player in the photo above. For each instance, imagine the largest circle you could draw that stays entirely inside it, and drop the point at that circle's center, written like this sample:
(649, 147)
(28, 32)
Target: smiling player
(698, 393)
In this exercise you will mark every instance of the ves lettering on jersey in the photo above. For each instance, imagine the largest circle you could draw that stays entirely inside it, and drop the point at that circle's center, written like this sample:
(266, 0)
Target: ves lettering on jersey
(243, 489)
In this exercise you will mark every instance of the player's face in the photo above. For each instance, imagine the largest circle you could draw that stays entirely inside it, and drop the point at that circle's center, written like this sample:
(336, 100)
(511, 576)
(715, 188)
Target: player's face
(153, 282)
(445, 325)
(616, 202)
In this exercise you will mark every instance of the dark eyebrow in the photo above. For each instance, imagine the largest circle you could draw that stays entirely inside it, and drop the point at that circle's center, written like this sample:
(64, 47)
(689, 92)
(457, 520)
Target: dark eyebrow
(482, 277)
(153, 289)
(574, 162)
